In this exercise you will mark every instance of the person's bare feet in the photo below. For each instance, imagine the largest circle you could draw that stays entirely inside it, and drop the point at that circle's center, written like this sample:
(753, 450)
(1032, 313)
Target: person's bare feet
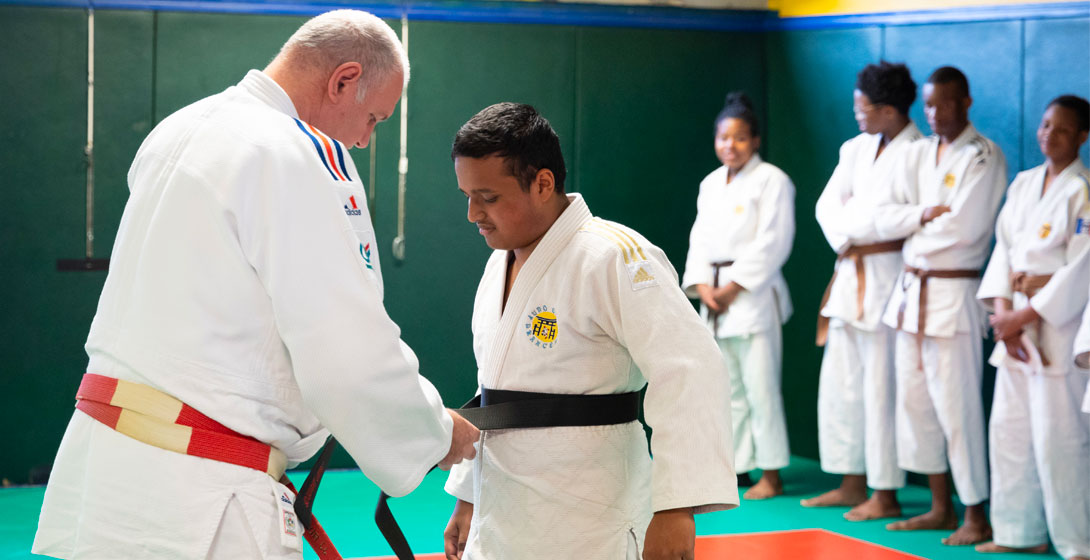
(970, 532)
(931, 520)
(836, 497)
(990, 546)
(876, 507)
(764, 489)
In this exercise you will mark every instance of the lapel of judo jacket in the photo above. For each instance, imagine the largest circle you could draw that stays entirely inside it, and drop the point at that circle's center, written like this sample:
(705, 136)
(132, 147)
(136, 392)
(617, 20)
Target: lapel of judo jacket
(529, 277)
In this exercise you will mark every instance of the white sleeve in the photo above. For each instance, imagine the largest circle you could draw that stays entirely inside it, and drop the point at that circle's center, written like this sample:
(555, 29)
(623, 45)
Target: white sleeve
(1061, 300)
(687, 403)
(842, 220)
(460, 481)
(996, 282)
(354, 372)
(766, 253)
(698, 268)
(900, 217)
(972, 209)
(1082, 346)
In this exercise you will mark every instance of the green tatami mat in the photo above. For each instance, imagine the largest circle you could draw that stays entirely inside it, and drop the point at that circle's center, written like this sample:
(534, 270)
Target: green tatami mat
(346, 502)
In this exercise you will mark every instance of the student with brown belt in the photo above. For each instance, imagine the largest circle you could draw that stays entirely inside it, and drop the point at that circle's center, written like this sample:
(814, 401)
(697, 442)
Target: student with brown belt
(856, 392)
(1036, 284)
(742, 235)
(945, 201)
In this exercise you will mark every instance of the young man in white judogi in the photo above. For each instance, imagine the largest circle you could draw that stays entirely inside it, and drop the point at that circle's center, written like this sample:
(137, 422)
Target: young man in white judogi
(856, 396)
(1036, 284)
(946, 200)
(571, 304)
(244, 306)
(742, 235)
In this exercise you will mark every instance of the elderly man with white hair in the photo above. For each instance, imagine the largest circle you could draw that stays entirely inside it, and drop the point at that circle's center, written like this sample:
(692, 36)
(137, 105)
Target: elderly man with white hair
(242, 321)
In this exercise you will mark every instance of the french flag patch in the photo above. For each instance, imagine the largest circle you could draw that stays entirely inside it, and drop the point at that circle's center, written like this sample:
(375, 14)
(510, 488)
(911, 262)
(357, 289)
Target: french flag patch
(1082, 225)
(329, 152)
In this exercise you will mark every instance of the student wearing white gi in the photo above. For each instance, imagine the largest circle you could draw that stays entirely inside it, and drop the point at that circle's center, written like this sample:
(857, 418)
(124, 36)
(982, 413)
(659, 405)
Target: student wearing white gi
(856, 395)
(616, 321)
(946, 200)
(245, 283)
(1036, 284)
(745, 224)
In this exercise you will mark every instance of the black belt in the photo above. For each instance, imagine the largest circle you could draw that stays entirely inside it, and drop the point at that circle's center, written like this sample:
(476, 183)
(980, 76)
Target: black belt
(493, 409)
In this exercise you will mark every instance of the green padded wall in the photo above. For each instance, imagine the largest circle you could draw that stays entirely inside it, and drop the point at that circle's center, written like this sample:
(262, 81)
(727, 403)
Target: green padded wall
(47, 313)
(646, 111)
(1055, 63)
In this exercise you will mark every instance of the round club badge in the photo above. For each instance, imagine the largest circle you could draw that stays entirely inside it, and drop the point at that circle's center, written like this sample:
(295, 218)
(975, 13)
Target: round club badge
(542, 329)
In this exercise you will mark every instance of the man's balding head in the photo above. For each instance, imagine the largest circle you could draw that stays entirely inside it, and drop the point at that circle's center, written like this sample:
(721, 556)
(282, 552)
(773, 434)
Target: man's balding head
(344, 71)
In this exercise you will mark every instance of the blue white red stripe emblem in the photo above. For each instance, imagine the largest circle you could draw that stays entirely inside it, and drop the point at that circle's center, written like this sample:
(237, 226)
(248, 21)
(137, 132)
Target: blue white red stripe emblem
(329, 151)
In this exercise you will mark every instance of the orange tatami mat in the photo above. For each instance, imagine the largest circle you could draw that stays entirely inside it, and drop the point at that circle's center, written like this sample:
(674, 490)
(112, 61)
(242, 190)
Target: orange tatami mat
(809, 544)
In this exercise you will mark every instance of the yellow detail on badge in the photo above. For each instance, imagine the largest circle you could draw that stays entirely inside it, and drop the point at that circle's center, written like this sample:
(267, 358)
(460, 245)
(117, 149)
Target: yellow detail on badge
(739, 209)
(1045, 230)
(642, 276)
(544, 327)
(949, 180)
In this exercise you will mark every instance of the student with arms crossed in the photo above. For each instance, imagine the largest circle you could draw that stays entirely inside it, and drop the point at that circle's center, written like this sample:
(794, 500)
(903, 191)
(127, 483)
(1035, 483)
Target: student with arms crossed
(945, 200)
(856, 395)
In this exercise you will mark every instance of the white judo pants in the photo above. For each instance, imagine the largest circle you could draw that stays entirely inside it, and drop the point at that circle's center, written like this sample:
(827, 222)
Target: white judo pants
(940, 411)
(856, 403)
(1040, 456)
(760, 428)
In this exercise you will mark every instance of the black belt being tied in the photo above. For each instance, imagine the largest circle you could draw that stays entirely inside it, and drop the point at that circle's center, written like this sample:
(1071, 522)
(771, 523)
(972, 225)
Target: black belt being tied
(493, 409)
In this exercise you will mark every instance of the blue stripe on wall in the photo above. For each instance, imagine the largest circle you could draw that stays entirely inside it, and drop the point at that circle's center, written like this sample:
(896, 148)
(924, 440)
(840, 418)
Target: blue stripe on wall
(588, 14)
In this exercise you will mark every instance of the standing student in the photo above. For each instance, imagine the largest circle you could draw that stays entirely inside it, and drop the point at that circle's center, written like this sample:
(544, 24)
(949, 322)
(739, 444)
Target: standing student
(945, 203)
(1036, 285)
(571, 306)
(856, 395)
(242, 321)
(742, 235)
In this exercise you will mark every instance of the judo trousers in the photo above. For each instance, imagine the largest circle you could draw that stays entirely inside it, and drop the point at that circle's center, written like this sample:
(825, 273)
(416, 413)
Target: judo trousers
(760, 428)
(856, 402)
(1040, 458)
(940, 411)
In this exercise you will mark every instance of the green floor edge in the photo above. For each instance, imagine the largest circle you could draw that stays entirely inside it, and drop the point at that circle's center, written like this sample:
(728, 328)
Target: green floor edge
(346, 502)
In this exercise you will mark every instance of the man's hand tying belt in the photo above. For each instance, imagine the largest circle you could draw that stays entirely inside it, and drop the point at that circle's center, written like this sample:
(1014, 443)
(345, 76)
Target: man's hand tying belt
(462, 439)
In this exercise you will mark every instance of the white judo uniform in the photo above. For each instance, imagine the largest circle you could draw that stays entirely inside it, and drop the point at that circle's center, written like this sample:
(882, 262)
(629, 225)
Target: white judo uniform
(1039, 439)
(245, 282)
(940, 414)
(856, 393)
(1082, 353)
(750, 221)
(620, 323)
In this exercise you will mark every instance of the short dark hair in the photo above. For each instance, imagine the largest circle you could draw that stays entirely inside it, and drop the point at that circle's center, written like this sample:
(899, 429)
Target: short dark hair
(517, 133)
(738, 106)
(887, 83)
(950, 75)
(1080, 106)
